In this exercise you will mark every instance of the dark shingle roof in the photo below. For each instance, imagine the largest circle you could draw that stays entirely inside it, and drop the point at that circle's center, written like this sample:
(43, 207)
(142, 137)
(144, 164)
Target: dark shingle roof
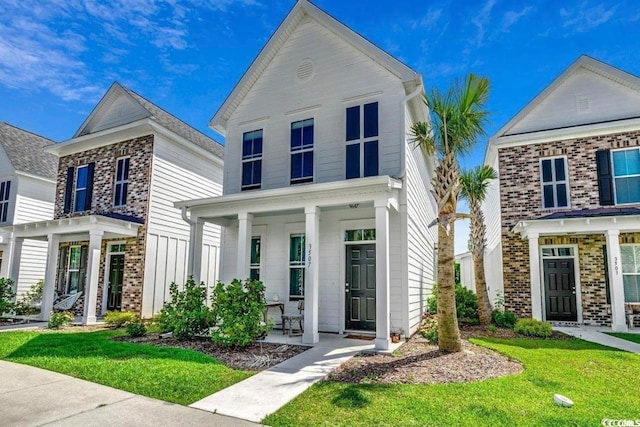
(178, 126)
(25, 151)
(589, 213)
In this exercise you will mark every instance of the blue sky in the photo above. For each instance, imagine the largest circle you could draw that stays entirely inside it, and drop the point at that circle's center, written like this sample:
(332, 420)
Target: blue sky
(58, 57)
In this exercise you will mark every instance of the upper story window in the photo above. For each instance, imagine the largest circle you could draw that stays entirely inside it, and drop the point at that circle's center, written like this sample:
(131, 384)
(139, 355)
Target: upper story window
(302, 151)
(122, 182)
(79, 188)
(362, 141)
(626, 175)
(5, 191)
(555, 183)
(252, 160)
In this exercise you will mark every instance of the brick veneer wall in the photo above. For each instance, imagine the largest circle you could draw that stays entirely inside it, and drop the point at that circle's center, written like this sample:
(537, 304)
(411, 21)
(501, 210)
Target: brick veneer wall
(140, 151)
(521, 198)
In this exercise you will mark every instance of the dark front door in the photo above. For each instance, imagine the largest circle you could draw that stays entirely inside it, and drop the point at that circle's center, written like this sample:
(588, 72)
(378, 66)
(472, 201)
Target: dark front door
(114, 293)
(560, 290)
(361, 287)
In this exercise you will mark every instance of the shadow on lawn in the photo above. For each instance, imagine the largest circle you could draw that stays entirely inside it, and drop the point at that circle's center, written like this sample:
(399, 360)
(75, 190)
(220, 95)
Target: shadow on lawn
(98, 344)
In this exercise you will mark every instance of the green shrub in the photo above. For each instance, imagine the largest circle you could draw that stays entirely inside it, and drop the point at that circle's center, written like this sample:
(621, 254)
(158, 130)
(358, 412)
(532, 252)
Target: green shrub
(533, 328)
(238, 310)
(27, 304)
(118, 319)
(60, 319)
(186, 313)
(429, 328)
(466, 304)
(503, 319)
(6, 296)
(136, 329)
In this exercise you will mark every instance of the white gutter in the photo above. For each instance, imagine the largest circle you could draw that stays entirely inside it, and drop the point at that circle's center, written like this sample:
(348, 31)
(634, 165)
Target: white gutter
(403, 104)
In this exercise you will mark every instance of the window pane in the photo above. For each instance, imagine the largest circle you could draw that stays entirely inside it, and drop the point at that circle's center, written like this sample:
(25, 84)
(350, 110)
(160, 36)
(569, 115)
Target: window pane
(296, 166)
(353, 161)
(562, 195)
(257, 172)
(371, 120)
(296, 136)
(82, 177)
(126, 168)
(548, 196)
(296, 249)
(255, 250)
(307, 164)
(370, 234)
(546, 171)
(74, 258)
(74, 280)
(371, 158)
(125, 188)
(353, 123)
(257, 145)
(118, 196)
(631, 288)
(80, 200)
(626, 162)
(560, 172)
(350, 235)
(254, 274)
(247, 149)
(296, 282)
(2, 196)
(628, 259)
(307, 133)
(628, 190)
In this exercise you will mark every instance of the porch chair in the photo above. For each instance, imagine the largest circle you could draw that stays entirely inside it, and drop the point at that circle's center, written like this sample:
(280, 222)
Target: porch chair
(67, 302)
(288, 320)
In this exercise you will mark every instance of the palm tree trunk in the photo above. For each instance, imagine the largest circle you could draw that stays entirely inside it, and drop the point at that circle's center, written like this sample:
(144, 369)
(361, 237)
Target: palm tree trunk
(479, 243)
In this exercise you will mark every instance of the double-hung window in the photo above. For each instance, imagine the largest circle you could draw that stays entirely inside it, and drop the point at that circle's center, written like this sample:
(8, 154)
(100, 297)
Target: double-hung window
(297, 260)
(254, 269)
(77, 268)
(631, 272)
(82, 180)
(626, 175)
(5, 190)
(362, 140)
(252, 160)
(555, 183)
(122, 182)
(302, 151)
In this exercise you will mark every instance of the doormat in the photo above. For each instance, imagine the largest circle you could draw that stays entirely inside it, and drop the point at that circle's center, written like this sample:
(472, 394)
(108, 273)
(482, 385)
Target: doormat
(360, 337)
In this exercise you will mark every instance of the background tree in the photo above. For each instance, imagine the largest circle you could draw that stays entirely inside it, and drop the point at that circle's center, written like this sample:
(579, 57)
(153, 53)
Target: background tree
(457, 119)
(474, 184)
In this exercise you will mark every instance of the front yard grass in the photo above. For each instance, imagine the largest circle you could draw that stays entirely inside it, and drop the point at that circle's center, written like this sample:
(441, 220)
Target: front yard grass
(601, 381)
(170, 374)
(629, 337)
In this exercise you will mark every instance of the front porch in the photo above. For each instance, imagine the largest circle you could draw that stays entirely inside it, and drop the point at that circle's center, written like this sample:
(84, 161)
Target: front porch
(92, 231)
(295, 241)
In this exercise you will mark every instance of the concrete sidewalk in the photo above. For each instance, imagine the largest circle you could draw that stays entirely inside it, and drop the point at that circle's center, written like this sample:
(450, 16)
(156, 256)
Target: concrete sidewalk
(266, 392)
(597, 335)
(33, 397)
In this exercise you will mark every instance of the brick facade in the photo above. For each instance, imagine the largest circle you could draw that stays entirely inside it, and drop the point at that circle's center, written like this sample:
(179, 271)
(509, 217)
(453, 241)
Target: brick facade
(140, 152)
(521, 199)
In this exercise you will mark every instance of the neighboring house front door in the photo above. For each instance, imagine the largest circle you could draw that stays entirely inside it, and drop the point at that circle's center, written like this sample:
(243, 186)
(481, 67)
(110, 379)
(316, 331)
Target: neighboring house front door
(560, 289)
(114, 293)
(361, 287)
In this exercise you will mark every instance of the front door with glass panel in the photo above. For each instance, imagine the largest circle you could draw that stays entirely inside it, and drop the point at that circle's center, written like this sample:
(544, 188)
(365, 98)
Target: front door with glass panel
(360, 287)
(116, 274)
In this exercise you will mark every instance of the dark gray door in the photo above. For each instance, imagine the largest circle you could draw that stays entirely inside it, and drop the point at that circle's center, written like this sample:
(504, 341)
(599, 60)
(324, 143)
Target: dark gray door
(361, 287)
(116, 274)
(560, 290)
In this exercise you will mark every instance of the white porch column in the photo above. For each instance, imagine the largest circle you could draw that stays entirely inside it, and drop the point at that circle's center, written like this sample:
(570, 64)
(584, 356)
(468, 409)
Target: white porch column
(194, 268)
(93, 270)
(50, 276)
(383, 311)
(245, 223)
(536, 279)
(311, 286)
(15, 255)
(618, 323)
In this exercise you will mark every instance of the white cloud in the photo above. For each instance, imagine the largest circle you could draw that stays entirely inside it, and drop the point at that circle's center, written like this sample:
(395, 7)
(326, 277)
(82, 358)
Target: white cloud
(481, 20)
(223, 5)
(584, 18)
(511, 17)
(429, 21)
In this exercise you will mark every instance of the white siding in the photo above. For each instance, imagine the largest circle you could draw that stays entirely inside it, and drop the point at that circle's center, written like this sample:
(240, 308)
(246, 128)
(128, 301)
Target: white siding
(493, 252)
(177, 174)
(341, 73)
(467, 277)
(122, 110)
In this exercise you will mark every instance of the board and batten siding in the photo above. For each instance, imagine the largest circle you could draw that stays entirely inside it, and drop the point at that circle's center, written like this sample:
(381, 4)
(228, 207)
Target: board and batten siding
(343, 77)
(177, 174)
(493, 252)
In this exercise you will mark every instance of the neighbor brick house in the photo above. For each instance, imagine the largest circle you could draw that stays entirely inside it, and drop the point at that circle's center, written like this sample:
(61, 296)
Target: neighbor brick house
(115, 235)
(564, 220)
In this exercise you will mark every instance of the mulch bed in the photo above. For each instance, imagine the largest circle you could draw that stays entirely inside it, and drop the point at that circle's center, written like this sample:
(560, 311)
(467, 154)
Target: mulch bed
(256, 357)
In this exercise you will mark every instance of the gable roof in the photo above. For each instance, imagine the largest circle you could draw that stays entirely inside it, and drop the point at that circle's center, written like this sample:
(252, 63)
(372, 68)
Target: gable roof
(584, 62)
(25, 151)
(135, 108)
(409, 77)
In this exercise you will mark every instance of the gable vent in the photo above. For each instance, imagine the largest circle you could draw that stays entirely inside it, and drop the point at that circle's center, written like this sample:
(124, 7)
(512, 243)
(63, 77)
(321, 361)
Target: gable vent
(582, 103)
(305, 70)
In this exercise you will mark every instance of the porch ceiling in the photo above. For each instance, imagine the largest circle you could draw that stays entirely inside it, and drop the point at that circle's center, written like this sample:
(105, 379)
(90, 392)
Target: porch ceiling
(584, 225)
(77, 227)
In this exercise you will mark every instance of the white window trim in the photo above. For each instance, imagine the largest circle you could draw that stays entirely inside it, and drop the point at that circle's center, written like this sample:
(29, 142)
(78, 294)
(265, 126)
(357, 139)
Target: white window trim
(576, 273)
(121, 182)
(362, 140)
(251, 160)
(637, 261)
(257, 266)
(76, 189)
(613, 176)
(302, 150)
(555, 183)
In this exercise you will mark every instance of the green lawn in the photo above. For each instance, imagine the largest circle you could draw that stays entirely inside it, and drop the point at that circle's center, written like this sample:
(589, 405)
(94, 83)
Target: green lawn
(170, 374)
(602, 382)
(629, 337)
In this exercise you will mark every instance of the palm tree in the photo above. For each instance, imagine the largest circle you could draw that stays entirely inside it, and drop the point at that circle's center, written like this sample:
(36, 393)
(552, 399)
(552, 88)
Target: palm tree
(474, 184)
(457, 117)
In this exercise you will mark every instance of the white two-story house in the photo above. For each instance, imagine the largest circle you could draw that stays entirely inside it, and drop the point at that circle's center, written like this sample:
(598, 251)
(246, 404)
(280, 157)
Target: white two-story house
(27, 192)
(324, 197)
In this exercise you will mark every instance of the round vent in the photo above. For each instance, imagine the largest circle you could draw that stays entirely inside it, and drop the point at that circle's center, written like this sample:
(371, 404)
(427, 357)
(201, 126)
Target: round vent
(305, 70)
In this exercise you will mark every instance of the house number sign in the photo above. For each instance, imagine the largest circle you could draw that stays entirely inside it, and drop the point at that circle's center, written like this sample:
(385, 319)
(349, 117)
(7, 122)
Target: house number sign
(309, 256)
(616, 267)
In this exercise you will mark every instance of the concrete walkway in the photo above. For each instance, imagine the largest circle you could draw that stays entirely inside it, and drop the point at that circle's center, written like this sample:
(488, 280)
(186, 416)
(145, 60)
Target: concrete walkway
(23, 326)
(266, 392)
(597, 335)
(34, 397)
